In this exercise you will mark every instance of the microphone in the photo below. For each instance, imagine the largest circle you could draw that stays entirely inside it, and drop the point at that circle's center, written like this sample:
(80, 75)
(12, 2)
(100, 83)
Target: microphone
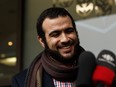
(87, 63)
(104, 73)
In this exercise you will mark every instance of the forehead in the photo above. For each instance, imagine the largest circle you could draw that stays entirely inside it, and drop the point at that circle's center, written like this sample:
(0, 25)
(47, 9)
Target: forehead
(57, 18)
(57, 22)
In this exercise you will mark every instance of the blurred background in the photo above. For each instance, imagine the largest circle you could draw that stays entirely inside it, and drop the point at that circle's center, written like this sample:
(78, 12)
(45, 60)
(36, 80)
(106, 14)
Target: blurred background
(95, 21)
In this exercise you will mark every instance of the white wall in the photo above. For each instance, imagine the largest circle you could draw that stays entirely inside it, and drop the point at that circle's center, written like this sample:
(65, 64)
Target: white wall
(98, 33)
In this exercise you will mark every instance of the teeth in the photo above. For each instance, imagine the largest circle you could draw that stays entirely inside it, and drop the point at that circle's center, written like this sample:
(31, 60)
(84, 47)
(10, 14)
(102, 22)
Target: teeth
(67, 47)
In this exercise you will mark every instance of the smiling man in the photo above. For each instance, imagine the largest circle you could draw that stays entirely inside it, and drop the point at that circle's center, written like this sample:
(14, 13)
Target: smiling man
(61, 37)
(57, 65)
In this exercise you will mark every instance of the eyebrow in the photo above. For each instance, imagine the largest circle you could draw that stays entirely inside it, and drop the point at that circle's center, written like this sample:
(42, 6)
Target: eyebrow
(57, 30)
(54, 32)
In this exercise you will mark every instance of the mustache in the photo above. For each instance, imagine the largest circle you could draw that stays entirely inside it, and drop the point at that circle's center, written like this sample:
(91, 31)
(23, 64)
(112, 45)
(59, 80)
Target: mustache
(65, 44)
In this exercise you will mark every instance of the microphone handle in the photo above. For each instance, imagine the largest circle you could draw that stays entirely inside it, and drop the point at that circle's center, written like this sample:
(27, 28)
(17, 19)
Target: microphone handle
(100, 84)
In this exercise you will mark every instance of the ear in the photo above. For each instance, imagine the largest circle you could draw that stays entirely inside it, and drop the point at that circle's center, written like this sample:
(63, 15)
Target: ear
(41, 41)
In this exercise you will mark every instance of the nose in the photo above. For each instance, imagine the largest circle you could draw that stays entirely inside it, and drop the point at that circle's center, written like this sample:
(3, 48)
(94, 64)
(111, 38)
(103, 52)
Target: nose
(64, 38)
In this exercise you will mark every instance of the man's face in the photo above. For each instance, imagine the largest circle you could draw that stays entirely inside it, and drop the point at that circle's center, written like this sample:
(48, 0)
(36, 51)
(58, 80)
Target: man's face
(60, 36)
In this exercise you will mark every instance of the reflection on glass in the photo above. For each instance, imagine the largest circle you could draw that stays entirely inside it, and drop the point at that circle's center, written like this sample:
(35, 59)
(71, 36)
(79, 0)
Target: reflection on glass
(115, 2)
(87, 8)
(84, 9)
(10, 26)
(10, 43)
(10, 61)
(65, 3)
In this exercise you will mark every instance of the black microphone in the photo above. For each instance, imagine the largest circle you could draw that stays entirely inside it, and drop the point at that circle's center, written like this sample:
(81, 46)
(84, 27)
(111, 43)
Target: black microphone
(87, 63)
(104, 73)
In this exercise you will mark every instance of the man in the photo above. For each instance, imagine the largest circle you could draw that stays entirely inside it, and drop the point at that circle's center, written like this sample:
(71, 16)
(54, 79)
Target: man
(57, 65)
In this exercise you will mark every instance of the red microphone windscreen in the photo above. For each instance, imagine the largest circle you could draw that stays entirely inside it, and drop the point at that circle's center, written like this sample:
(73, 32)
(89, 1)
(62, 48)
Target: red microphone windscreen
(103, 74)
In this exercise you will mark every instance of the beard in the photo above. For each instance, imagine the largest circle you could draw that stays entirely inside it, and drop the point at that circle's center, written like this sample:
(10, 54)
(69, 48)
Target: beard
(57, 56)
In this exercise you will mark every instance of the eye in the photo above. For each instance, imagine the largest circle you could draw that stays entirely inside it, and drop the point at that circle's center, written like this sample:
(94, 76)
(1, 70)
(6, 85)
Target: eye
(69, 30)
(55, 33)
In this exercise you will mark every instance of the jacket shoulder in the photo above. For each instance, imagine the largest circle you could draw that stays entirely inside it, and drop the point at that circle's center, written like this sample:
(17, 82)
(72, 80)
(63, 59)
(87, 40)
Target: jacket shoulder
(19, 79)
(114, 82)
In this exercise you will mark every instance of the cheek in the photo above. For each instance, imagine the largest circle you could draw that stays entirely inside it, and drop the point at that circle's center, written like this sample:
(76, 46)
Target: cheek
(74, 37)
(52, 43)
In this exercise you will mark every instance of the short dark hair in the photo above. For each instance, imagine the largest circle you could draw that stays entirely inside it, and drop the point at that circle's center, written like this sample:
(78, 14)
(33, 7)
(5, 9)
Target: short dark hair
(51, 13)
